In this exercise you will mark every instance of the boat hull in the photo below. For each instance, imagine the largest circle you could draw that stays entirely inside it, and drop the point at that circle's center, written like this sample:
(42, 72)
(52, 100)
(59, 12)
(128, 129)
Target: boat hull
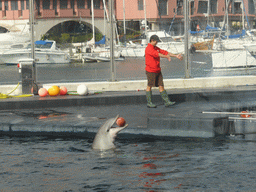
(232, 59)
(40, 57)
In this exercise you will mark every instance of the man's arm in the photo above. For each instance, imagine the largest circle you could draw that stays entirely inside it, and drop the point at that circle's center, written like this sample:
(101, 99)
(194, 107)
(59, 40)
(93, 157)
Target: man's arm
(179, 56)
(165, 56)
(168, 55)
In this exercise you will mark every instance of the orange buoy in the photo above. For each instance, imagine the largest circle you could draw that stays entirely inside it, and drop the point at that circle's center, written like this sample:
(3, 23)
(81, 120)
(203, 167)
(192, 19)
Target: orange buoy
(245, 115)
(54, 90)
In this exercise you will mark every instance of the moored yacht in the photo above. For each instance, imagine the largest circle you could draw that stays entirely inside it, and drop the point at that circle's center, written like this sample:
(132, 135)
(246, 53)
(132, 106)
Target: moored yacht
(46, 52)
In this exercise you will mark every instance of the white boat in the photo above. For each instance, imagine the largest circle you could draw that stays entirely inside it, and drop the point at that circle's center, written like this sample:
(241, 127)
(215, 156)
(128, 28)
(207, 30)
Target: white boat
(12, 40)
(168, 43)
(46, 52)
(251, 48)
(232, 59)
(89, 57)
(107, 59)
(103, 56)
(134, 50)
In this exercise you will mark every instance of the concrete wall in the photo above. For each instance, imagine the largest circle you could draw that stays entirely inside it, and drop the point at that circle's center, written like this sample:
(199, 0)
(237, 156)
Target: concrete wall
(171, 84)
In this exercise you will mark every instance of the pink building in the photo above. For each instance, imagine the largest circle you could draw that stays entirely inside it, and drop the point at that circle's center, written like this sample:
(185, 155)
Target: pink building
(159, 13)
(19, 9)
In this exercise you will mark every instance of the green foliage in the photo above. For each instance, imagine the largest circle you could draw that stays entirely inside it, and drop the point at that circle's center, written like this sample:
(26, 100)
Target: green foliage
(71, 38)
(65, 37)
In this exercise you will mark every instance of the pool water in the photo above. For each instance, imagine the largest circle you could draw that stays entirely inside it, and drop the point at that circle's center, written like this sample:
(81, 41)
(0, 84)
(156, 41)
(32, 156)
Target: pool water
(43, 164)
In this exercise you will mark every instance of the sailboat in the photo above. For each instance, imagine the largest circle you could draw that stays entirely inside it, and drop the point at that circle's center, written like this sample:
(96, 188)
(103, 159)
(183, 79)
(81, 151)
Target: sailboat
(237, 51)
(95, 53)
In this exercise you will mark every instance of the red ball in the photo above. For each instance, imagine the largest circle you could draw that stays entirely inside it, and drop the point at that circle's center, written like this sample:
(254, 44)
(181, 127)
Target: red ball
(42, 92)
(63, 90)
(120, 121)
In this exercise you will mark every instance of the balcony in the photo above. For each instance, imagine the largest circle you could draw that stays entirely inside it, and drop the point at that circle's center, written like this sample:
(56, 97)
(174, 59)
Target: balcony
(83, 12)
(3, 14)
(99, 13)
(12, 14)
(48, 13)
(65, 13)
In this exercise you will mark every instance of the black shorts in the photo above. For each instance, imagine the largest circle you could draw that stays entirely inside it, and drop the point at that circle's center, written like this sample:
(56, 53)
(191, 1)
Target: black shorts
(155, 79)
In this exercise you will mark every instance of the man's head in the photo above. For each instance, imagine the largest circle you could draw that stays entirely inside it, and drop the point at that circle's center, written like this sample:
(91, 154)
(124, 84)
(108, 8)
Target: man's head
(154, 39)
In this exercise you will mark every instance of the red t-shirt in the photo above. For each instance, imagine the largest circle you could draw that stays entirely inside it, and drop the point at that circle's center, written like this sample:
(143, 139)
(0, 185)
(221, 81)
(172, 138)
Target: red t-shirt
(152, 59)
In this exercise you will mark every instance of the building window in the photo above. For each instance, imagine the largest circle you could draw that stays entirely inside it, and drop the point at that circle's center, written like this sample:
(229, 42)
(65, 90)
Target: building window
(80, 4)
(213, 7)
(202, 7)
(140, 5)
(63, 4)
(22, 4)
(179, 7)
(14, 5)
(96, 4)
(192, 7)
(46, 4)
(251, 7)
(1, 5)
(89, 4)
(72, 3)
(237, 7)
(162, 6)
(54, 3)
(6, 5)
(27, 4)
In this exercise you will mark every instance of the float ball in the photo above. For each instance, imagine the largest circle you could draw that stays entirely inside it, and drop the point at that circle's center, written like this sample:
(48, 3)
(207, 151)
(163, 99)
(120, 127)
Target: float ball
(63, 90)
(245, 115)
(82, 90)
(54, 90)
(120, 121)
(42, 92)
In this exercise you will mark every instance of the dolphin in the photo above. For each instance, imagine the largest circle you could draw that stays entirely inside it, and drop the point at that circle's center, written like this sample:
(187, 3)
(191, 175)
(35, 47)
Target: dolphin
(106, 134)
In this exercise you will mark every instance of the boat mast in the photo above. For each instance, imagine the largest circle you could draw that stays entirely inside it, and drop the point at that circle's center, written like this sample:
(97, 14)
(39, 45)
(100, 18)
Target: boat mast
(208, 12)
(112, 64)
(145, 14)
(32, 22)
(93, 28)
(227, 4)
(124, 23)
(186, 33)
(243, 14)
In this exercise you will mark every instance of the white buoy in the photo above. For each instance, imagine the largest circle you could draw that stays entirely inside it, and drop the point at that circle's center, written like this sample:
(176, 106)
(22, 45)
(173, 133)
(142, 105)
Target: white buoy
(82, 90)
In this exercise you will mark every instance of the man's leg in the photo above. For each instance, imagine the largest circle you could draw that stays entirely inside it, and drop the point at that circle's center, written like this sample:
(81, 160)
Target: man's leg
(149, 96)
(165, 97)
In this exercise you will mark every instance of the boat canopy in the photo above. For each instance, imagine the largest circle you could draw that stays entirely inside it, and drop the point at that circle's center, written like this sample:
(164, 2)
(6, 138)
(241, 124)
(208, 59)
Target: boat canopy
(236, 36)
(45, 44)
(195, 32)
(102, 41)
(209, 28)
(41, 42)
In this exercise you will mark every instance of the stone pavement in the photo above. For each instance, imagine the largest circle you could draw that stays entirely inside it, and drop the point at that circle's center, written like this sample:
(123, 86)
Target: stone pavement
(81, 116)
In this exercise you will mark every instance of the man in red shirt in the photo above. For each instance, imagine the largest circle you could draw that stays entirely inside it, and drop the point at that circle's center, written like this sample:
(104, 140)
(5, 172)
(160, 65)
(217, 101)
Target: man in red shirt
(153, 70)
